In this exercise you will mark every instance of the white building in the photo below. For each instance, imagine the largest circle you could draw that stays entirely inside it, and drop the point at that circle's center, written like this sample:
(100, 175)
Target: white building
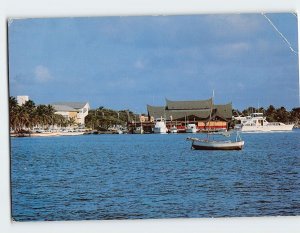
(22, 99)
(76, 110)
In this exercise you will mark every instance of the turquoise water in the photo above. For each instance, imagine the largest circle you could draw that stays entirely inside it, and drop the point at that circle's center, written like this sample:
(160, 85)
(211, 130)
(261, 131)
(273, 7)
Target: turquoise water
(153, 176)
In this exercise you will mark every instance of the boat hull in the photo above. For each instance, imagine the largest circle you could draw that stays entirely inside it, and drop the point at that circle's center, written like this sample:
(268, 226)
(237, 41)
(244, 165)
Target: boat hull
(191, 128)
(204, 145)
(71, 133)
(160, 130)
(191, 131)
(266, 128)
(160, 127)
(138, 131)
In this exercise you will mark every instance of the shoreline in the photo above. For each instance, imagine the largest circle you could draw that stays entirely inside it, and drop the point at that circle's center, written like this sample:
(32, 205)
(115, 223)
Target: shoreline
(59, 134)
(54, 134)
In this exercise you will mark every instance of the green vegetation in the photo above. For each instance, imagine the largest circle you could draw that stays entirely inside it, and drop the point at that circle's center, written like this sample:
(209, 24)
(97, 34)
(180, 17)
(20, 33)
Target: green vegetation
(29, 116)
(273, 114)
(103, 118)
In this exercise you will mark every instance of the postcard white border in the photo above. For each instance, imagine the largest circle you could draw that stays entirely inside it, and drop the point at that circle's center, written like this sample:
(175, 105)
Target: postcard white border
(67, 8)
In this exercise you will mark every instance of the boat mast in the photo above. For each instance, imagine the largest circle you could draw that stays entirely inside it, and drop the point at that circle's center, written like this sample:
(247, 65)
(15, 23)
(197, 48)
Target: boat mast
(210, 114)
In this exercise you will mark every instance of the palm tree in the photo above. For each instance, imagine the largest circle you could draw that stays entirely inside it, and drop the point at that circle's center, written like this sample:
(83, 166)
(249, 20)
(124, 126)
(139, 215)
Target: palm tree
(30, 109)
(13, 108)
(42, 115)
(50, 115)
(71, 121)
(60, 120)
(21, 119)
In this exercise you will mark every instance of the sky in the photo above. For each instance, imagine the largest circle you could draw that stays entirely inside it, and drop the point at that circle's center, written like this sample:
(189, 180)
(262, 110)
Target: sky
(129, 62)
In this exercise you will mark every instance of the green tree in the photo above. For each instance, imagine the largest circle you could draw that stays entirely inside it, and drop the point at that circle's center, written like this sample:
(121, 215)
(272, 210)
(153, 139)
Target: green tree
(103, 118)
(282, 115)
(295, 115)
(13, 113)
(271, 113)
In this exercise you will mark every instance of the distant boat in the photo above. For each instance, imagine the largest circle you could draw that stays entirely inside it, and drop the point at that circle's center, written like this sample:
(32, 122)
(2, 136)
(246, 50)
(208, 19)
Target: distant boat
(138, 130)
(207, 144)
(173, 129)
(191, 128)
(160, 126)
(256, 122)
(71, 133)
(119, 131)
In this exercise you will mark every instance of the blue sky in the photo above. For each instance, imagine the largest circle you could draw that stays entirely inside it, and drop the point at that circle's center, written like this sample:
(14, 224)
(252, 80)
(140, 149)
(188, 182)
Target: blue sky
(129, 62)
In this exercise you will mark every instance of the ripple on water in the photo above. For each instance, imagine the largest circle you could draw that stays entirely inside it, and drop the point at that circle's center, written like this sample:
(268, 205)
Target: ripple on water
(153, 176)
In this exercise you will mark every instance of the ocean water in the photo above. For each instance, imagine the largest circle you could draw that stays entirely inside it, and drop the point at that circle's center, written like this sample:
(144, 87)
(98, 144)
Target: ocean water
(153, 176)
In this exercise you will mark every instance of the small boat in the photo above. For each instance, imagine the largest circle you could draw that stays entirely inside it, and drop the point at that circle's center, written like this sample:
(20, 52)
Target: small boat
(173, 129)
(138, 130)
(119, 131)
(191, 128)
(71, 133)
(206, 144)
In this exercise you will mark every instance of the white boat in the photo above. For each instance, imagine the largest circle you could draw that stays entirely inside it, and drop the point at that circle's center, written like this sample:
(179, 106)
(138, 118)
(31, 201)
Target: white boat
(119, 131)
(138, 130)
(160, 126)
(71, 133)
(191, 128)
(173, 129)
(207, 144)
(256, 122)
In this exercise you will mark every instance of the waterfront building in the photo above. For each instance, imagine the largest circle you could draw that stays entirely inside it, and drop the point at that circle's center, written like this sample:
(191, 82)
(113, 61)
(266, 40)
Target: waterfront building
(139, 118)
(203, 113)
(76, 110)
(22, 99)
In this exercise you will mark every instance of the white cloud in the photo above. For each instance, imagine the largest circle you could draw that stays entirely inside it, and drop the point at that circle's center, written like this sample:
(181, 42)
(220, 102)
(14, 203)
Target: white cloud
(241, 46)
(242, 22)
(122, 82)
(231, 49)
(42, 74)
(233, 24)
(241, 86)
(139, 64)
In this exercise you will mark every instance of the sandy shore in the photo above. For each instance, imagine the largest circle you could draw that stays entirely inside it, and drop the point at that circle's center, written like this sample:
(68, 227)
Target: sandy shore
(47, 134)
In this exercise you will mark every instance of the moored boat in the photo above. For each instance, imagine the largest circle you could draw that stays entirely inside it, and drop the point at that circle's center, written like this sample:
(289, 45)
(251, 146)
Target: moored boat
(138, 130)
(256, 122)
(173, 129)
(160, 126)
(71, 133)
(209, 144)
(205, 144)
(191, 128)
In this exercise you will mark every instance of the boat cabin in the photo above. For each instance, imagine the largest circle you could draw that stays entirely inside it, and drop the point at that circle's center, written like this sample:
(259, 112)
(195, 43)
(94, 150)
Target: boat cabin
(257, 114)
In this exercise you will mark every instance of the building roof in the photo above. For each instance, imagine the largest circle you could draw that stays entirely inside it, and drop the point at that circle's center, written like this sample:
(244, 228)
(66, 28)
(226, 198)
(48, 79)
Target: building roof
(187, 109)
(188, 105)
(160, 111)
(63, 108)
(156, 111)
(188, 114)
(75, 105)
(224, 111)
